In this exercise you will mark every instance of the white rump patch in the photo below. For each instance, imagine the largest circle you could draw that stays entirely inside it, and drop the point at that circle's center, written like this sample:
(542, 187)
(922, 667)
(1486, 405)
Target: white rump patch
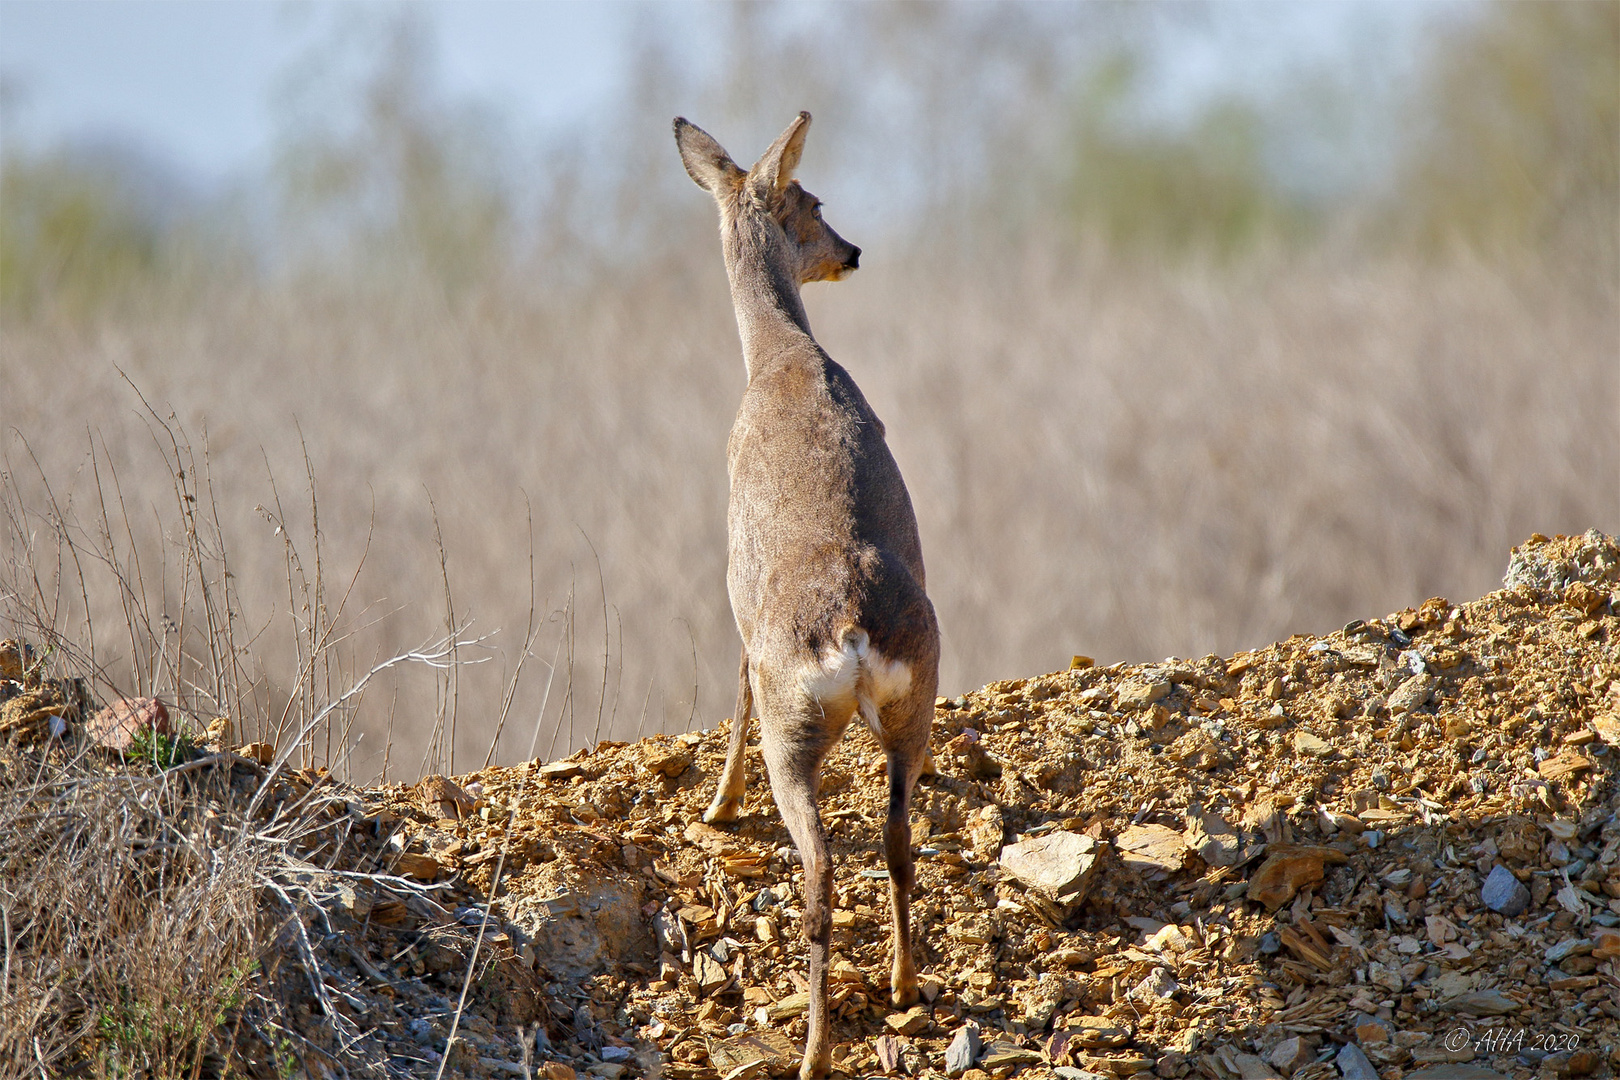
(831, 679)
(857, 675)
(890, 680)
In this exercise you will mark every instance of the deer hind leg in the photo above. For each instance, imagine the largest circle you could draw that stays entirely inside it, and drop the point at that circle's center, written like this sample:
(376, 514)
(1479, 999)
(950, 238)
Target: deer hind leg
(907, 751)
(728, 797)
(794, 747)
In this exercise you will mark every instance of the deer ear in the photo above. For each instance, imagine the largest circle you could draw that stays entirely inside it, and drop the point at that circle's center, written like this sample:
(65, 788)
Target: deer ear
(706, 161)
(775, 168)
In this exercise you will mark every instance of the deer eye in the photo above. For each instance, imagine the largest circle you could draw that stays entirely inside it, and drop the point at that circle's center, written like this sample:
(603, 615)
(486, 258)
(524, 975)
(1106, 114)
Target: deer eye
(815, 211)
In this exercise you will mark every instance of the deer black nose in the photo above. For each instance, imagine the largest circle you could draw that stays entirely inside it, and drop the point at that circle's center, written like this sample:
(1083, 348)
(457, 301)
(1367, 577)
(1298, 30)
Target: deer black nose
(854, 260)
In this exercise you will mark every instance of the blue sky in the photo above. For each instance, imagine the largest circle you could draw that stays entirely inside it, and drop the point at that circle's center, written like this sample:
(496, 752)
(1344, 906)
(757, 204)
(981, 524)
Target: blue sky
(194, 84)
(195, 81)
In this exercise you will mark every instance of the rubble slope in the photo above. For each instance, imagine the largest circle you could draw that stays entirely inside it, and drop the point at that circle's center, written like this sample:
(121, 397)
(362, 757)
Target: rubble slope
(1390, 851)
(1290, 852)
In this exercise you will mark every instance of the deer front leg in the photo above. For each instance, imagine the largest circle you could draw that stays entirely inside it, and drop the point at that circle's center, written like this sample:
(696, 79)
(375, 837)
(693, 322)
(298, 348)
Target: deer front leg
(728, 797)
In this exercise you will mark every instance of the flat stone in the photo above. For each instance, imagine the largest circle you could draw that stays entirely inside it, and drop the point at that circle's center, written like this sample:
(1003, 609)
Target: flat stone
(1504, 893)
(262, 752)
(963, 1052)
(1159, 984)
(710, 975)
(1212, 837)
(444, 797)
(1582, 1062)
(1251, 1067)
(1484, 1003)
(1561, 829)
(1092, 1032)
(1139, 695)
(1312, 745)
(1003, 1053)
(1069, 1072)
(1439, 929)
(1153, 851)
(712, 840)
(1606, 727)
(765, 1050)
(1566, 764)
(1455, 1071)
(413, 864)
(1411, 694)
(1568, 947)
(582, 925)
(1118, 1066)
(888, 1051)
(1605, 943)
(1289, 868)
(1292, 1053)
(1369, 1030)
(667, 760)
(1059, 865)
(909, 1022)
(1196, 750)
(1353, 1064)
(789, 1007)
(116, 726)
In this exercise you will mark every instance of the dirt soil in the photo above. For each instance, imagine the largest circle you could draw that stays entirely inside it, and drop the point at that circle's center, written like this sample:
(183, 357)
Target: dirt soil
(1392, 852)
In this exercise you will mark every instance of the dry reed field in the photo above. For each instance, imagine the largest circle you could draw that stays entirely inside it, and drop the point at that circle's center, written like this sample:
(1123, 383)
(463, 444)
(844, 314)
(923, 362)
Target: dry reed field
(1107, 457)
(1148, 398)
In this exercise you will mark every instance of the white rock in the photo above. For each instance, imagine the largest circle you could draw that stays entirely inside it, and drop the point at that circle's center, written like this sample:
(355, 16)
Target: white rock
(1058, 866)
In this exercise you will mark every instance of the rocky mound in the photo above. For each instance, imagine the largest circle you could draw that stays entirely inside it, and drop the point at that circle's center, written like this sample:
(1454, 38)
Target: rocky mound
(1389, 852)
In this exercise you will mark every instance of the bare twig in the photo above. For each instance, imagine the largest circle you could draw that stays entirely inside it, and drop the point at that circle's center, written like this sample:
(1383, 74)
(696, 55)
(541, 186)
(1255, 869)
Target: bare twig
(531, 632)
(478, 944)
(601, 695)
(540, 713)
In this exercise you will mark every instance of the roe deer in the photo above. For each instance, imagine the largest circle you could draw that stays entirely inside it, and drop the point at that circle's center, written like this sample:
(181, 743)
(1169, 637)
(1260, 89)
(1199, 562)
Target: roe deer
(825, 569)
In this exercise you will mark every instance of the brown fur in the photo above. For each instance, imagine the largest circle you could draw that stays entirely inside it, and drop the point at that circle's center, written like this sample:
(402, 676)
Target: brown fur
(825, 567)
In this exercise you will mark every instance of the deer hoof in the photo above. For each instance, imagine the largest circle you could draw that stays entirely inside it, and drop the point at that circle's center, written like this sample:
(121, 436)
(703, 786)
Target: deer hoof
(722, 810)
(903, 995)
(814, 1069)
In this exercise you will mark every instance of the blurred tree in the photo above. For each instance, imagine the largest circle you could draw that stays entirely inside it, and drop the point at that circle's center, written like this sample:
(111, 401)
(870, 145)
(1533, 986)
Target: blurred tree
(1204, 188)
(72, 238)
(375, 166)
(1517, 139)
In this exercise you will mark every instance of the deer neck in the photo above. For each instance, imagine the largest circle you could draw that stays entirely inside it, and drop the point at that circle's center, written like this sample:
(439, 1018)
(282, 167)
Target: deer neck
(770, 312)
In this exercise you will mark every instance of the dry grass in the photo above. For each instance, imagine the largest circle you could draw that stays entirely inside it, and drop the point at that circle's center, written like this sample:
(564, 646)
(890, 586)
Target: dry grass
(1106, 458)
(132, 918)
(153, 903)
